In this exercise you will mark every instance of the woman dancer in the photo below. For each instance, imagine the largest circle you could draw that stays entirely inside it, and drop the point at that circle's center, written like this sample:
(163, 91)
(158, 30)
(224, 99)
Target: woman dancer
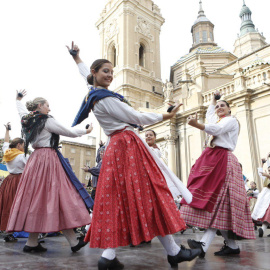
(46, 200)
(16, 160)
(261, 211)
(133, 203)
(175, 185)
(216, 183)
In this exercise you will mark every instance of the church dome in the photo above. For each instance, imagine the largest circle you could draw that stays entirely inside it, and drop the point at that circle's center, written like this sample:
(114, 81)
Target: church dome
(244, 10)
(201, 19)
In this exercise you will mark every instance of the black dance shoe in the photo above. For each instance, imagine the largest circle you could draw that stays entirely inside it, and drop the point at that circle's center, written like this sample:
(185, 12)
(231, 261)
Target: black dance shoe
(38, 248)
(105, 264)
(260, 232)
(196, 244)
(183, 255)
(10, 238)
(225, 251)
(79, 245)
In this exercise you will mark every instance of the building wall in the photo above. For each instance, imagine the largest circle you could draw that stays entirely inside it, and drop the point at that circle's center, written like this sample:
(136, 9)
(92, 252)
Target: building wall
(79, 155)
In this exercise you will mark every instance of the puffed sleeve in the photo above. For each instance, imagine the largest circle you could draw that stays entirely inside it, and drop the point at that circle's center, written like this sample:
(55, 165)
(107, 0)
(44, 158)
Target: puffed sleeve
(23, 158)
(5, 147)
(54, 126)
(84, 71)
(227, 124)
(210, 114)
(21, 108)
(127, 114)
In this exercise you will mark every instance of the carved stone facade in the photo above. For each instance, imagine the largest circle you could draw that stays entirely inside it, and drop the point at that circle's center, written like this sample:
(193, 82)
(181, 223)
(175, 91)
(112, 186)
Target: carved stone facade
(129, 36)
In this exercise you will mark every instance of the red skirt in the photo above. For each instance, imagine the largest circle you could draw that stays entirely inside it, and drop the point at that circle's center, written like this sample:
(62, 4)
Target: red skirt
(7, 193)
(231, 211)
(46, 200)
(266, 217)
(133, 202)
(212, 165)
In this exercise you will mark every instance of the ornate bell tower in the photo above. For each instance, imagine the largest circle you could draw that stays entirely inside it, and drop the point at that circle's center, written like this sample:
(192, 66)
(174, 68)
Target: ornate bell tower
(249, 39)
(129, 36)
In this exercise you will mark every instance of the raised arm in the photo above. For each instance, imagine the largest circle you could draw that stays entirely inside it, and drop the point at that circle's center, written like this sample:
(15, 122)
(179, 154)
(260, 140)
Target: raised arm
(74, 51)
(8, 128)
(20, 106)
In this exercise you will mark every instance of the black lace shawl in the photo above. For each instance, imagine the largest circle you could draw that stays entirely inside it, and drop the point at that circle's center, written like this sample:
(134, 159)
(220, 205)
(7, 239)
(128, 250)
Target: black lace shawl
(32, 124)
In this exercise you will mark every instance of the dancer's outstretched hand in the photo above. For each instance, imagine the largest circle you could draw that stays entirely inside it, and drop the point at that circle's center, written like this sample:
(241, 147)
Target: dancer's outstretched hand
(20, 94)
(89, 128)
(85, 168)
(176, 108)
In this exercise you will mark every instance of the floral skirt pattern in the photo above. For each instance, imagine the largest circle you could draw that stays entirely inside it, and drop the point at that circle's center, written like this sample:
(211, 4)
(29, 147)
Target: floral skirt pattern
(133, 202)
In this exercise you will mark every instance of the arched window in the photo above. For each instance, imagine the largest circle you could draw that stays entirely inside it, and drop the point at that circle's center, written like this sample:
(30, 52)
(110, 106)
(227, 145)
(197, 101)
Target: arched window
(112, 55)
(142, 55)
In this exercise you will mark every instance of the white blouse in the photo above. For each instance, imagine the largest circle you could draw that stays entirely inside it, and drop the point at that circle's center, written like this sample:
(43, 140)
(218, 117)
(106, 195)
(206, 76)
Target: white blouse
(225, 131)
(16, 165)
(51, 126)
(113, 114)
(84, 71)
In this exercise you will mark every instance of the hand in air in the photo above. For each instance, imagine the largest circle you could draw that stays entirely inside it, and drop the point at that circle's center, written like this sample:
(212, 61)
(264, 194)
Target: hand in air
(74, 50)
(8, 126)
(20, 94)
(217, 95)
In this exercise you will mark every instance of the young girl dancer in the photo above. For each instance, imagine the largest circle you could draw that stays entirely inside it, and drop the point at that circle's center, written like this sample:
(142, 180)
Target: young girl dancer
(216, 183)
(46, 199)
(133, 203)
(15, 160)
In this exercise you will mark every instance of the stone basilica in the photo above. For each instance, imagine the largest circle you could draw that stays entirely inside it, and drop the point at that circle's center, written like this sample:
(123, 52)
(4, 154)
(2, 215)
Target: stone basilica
(129, 35)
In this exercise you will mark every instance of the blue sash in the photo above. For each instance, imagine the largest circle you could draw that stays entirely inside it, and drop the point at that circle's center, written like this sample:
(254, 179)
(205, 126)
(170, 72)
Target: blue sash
(89, 101)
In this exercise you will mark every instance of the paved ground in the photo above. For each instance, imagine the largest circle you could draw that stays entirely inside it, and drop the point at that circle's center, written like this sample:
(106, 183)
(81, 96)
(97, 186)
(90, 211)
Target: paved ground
(255, 254)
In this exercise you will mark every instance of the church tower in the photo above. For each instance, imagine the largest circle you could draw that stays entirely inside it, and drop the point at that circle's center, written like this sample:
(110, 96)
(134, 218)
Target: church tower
(129, 34)
(202, 31)
(249, 39)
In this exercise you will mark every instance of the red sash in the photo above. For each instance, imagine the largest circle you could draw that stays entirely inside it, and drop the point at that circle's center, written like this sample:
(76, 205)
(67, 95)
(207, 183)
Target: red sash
(207, 177)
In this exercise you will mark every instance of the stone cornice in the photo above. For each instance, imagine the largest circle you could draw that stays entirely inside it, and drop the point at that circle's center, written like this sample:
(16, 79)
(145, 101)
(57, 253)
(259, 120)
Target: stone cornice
(78, 144)
(128, 8)
(243, 57)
